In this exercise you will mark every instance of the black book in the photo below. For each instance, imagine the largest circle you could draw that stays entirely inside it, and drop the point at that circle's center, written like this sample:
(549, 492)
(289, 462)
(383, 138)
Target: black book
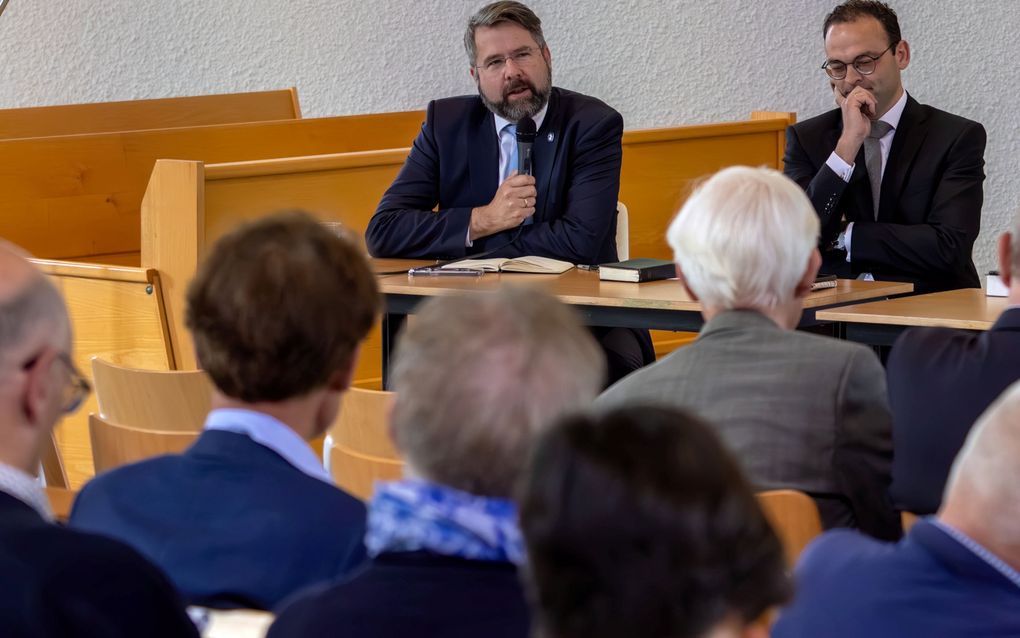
(638, 270)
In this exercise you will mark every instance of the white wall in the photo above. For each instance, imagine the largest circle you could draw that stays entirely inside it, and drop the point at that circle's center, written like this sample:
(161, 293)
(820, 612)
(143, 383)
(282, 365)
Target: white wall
(659, 63)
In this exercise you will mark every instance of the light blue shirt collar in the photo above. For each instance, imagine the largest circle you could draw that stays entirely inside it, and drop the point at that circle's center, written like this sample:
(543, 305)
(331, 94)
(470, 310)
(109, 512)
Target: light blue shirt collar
(978, 550)
(501, 122)
(271, 433)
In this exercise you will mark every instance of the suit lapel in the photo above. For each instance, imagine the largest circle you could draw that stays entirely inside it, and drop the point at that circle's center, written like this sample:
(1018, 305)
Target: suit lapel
(906, 142)
(483, 155)
(544, 153)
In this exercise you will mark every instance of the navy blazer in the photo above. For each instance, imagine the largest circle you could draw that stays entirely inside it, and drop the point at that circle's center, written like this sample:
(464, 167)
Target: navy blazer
(414, 594)
(58, 582)
(940, 381)
(454, 166)
(230, 521)
(930, 205)
(928, 584)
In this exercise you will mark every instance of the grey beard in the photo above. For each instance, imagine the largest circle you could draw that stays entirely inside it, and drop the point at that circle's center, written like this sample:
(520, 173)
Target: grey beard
(521, 108)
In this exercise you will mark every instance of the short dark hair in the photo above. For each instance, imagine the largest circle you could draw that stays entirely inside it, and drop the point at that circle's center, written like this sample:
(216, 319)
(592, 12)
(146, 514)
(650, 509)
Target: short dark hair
(497, 13)
(853, 10)
(278, 306)
(639, 523)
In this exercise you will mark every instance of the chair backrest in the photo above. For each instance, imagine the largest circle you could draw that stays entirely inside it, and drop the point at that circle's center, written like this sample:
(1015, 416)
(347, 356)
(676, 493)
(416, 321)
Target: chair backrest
(170, 400)
(114, 445)
(907, 519)
(61, 500)
(622, 232)
(795, 518)
(358, 449)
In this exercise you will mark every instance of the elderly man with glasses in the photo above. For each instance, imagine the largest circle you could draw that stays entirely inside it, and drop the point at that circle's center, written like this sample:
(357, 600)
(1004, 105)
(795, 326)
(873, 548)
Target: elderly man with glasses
(897, 184)
(57, 582)
(468, 190)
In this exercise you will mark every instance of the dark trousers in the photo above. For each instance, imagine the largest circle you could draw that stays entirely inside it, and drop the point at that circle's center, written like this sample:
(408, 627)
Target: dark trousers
(626, 350)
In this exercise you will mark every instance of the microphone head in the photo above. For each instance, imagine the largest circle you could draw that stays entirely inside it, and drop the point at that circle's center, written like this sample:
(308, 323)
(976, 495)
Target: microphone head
(525, 130)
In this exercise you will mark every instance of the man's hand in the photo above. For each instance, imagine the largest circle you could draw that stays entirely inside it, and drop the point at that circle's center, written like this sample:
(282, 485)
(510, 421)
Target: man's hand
(513, 202)
(859, 107)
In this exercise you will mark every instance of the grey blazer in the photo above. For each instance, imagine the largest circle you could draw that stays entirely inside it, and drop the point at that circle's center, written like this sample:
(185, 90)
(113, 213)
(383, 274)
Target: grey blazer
(800, 411)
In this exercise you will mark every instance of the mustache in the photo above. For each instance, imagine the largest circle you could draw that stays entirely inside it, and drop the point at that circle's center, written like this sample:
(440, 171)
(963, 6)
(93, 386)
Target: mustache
(517, 85)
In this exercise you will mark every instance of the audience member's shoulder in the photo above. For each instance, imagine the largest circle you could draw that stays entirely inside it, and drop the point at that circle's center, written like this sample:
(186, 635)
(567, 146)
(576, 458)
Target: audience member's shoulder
(830, 555)
(834, 349)
(921, 340)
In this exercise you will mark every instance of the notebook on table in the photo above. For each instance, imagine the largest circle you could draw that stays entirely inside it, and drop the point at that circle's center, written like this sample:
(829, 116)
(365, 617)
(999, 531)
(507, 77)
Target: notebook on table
(531, 264)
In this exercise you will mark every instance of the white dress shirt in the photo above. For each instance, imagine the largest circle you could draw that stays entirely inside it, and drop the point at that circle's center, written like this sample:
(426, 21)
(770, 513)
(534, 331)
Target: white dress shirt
(26, 488)
(844, 170)
(506, 142)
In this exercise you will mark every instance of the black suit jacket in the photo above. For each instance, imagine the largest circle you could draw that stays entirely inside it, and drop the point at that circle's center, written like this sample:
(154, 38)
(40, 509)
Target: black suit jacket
(453, 166)
(940, 381)
(414, 594)
(930, 208)
(57, 582)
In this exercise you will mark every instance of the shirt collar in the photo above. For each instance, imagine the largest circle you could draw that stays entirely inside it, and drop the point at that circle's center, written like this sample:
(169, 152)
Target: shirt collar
(501, 122)
(26, 488)
(893, 115)
(271, 433)
(978, 550)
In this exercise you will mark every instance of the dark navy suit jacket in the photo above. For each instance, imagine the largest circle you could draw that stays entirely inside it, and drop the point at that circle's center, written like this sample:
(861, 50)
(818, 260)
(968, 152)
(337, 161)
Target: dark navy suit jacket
(930, 205)
(58, 582)
(230, 521)
(414, 594)
(940, 381)
(928, 584)
(454, 166)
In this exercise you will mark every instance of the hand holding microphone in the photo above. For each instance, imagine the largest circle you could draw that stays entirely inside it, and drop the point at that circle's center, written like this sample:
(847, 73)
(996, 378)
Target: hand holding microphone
(515, 198)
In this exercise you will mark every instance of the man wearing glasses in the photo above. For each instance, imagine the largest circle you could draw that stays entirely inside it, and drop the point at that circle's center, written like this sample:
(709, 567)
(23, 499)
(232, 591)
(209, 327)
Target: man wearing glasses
(459, 193)
(897, 184)
(54, 581)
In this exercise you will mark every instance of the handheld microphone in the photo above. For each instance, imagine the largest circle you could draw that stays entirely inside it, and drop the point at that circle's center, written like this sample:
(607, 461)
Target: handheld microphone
(525, 138)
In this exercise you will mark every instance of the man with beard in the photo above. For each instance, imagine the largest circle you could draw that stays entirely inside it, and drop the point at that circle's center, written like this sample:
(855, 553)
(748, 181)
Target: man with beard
(459, 193)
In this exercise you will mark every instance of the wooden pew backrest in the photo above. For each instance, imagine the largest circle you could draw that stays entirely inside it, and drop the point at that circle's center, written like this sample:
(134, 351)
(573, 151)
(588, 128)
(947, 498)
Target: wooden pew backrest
(118, 313)
(79, 196)
(136, 115)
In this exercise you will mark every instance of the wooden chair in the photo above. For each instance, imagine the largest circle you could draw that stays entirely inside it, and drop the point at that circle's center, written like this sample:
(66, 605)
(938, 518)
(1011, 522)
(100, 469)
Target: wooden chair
(168, 400)
(114, 445)
(795, 518)
(358, 449)
(61, 501)
(907, 519)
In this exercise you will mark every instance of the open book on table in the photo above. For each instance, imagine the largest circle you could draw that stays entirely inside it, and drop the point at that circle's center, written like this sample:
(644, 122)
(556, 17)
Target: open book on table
(541, 265)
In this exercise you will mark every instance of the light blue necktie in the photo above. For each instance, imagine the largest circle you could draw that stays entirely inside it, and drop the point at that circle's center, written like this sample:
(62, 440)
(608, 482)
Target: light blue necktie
(508, 141)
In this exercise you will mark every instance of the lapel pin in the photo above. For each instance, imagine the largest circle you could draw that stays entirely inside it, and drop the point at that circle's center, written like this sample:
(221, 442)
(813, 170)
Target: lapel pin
(550, 137)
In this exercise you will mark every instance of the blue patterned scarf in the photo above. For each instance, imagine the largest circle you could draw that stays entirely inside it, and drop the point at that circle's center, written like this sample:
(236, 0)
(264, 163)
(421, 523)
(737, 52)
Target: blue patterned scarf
(412, 515)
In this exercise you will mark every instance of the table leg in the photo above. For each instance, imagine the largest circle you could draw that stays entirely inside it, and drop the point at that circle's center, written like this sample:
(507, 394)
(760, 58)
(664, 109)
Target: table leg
(391, 325)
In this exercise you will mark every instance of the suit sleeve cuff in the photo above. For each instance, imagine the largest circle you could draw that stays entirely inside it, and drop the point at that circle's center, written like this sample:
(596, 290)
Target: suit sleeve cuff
(839, 167)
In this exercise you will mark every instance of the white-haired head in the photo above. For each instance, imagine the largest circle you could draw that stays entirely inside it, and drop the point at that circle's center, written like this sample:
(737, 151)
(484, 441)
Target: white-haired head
(744, 239)
(982, 494)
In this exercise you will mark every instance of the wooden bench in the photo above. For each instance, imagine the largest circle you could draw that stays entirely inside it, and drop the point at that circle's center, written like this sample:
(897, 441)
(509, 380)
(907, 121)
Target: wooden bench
(189, 204)
(135, 115)
(78, 197)
(119, 313)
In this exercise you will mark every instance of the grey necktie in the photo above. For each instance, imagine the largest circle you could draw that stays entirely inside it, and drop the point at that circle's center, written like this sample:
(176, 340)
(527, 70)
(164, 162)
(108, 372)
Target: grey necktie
(873, 159)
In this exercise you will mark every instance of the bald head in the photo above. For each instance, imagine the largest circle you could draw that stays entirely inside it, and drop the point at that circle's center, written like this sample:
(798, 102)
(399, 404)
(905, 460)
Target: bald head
(983, 491)
(32, 313)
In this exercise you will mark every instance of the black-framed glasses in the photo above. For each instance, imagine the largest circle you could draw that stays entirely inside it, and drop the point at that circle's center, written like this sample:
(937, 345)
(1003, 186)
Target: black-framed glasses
(523, 57)
(77, 387)
(864, 64)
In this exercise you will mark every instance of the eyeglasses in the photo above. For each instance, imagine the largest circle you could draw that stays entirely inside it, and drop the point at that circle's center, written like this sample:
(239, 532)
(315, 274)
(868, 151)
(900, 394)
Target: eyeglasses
(863, 64)
(77, 387)
(495, 66)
